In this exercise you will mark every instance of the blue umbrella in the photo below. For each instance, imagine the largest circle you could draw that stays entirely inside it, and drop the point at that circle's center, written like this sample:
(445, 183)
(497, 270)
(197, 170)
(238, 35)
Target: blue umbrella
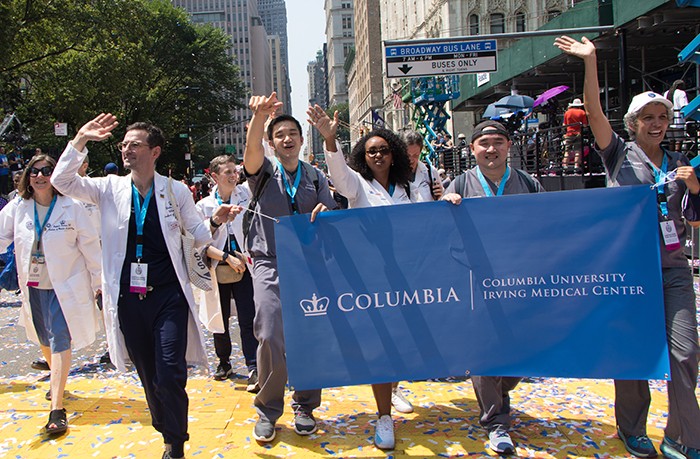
(515, 101)
(492, 111)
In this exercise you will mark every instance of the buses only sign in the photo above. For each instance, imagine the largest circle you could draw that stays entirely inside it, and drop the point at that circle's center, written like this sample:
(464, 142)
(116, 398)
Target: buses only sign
(417, 59)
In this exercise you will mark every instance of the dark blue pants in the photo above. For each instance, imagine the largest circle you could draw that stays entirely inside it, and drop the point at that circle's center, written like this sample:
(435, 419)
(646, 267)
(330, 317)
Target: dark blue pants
(242, 292)
(155, 334)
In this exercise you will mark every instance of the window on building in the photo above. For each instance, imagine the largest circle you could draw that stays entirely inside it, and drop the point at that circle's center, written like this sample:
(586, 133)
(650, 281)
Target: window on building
(347, 22)
(520, 22)
(474, 24)
(551, 14)
(498, 23)
(346, 5)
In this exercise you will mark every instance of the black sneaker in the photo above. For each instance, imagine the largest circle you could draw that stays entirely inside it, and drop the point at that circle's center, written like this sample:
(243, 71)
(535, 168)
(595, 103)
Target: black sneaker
(40, 364)
(223, 371)
(304, 423)
(105, 359)
(674, 450)
(264, 431)
(253, 387)
(639, 445)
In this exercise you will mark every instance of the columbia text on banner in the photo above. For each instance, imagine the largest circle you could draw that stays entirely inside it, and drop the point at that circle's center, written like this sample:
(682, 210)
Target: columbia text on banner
(564, 284)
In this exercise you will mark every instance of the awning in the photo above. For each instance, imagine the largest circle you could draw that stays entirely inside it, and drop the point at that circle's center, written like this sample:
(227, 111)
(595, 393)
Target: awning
(683, 3)
(690, 52)
(692, 110)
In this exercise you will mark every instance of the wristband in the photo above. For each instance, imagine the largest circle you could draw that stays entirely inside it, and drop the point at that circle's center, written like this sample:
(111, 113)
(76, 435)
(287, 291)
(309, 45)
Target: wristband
(213, 223)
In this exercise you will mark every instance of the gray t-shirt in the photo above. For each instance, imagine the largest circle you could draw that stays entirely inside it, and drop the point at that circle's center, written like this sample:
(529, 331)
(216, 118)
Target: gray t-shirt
(627, 164)
(275, 202)
(470, 186)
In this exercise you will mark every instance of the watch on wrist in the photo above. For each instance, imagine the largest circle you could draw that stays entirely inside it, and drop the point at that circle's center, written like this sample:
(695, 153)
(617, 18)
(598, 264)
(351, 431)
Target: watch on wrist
(224, 256)
(213, 223)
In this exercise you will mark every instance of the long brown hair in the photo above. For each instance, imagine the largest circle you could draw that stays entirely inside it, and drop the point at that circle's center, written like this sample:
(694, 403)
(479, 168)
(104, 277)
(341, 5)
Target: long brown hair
(24, 189)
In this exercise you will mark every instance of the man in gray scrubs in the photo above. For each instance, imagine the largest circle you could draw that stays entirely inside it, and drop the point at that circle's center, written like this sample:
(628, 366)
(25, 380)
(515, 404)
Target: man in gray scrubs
(282, 185)
(492, 177)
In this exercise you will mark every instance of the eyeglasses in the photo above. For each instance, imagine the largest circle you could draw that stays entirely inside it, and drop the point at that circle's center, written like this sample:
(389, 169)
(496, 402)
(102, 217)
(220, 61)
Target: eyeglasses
(135, 144)
(378, 151)
(45, 171)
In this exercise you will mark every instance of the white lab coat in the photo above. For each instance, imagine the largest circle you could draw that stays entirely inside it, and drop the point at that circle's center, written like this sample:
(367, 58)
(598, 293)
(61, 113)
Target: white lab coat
(209, 303)
(72, 250)
(112, 194)
(421, 186)
(359, 191)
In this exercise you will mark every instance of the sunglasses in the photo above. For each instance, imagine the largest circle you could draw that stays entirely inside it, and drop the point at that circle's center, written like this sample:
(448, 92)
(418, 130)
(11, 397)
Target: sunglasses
(45, 171)
(378, 151)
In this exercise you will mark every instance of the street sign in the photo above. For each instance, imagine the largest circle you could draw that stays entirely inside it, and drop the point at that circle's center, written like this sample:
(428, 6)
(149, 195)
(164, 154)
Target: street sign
(60, 129)
(408, 60)
(184, 135)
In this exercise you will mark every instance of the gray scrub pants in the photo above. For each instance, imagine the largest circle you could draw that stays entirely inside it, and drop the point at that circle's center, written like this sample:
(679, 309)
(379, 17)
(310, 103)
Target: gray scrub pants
(272, 362)
(632, 398)
(492, 393)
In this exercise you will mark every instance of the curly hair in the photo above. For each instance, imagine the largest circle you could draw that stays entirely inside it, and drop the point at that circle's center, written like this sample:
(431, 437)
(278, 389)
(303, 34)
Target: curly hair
(400, 171)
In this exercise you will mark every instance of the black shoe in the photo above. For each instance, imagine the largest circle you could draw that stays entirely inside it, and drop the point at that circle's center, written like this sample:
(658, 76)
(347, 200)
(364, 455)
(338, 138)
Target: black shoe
(57, 422)
(304, 423)
(223, 371)
(40, 364)
(253, 387)
(264, 431)
(105, 359)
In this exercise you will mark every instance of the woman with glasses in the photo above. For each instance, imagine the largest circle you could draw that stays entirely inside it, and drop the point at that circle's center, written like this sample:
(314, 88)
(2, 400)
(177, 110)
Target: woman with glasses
(378, 175)
(644, 160)
(58, 265)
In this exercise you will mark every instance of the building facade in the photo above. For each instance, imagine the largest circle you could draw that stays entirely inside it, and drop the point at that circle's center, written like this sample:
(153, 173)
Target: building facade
(340, 39)
(240, 20)
(365, 72)
(318, 94)
(274, 16)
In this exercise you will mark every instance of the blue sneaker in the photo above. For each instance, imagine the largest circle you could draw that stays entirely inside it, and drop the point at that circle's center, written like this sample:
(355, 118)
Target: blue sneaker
(674, 450)
(639, 445)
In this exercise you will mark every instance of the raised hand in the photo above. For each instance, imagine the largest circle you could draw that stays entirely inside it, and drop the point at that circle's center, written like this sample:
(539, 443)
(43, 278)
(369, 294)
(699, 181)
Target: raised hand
(583, 49)
(264, 105)
(97, 129)
(322, 122)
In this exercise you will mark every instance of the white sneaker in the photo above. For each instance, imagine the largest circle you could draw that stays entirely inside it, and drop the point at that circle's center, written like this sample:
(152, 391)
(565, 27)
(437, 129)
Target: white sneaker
(500, 441)
(400, 402)
(384, 433)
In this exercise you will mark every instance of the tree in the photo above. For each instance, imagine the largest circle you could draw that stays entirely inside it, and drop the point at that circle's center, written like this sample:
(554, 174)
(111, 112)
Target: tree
(141, 60)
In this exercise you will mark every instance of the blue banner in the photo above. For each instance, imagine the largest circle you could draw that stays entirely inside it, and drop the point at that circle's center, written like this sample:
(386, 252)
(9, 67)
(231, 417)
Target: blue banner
(563, 284)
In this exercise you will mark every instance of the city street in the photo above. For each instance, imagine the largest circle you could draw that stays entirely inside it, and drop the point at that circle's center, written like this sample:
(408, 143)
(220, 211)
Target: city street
(108, 417)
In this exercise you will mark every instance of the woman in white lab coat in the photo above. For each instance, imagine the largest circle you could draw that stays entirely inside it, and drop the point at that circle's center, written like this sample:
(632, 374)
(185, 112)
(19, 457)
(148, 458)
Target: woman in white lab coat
(58, 265)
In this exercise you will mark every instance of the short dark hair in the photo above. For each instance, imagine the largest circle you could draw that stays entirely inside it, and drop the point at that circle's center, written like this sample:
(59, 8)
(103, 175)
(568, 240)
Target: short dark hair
(219, 161)
(23, 188)
(278, 119)
(400, 171)
(155, 134)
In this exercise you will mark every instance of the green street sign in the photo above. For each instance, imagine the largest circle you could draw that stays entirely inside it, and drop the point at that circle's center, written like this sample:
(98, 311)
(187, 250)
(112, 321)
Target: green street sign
(184, 136)
(230, 149)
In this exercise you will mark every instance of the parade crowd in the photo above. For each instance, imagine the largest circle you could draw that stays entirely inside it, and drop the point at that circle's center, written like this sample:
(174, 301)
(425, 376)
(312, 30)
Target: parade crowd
(128, 240)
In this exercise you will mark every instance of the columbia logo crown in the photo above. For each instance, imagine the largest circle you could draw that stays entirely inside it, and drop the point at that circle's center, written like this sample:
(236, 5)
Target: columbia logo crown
(315, 306)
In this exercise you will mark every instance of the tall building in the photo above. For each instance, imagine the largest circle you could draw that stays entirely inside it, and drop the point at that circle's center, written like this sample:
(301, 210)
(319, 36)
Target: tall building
(340, 38)
(240, 20)
(318, 94)
(274, 16)
(365, 72)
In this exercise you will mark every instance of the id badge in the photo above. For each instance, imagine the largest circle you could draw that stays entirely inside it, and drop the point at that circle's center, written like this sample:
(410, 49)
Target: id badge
(138, 278)
(668, 231)
(36, 268)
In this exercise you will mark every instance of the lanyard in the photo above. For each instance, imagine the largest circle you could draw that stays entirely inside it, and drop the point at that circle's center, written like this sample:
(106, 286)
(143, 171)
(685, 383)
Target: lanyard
(291, 191)
(392, 187)
(232, 241)
(487, 188)
(660, 176)
(40, 228)
(140, 214)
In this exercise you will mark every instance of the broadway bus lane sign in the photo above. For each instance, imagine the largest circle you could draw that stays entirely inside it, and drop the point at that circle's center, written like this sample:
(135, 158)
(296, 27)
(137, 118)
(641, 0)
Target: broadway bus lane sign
(408, 59)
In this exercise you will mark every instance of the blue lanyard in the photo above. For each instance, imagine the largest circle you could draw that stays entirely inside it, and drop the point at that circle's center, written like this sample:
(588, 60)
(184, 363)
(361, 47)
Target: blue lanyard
(220, 202)
(39, 228)
(140, 214)
(487, 188)
(659, 175)
(291, 191)
(392, 187)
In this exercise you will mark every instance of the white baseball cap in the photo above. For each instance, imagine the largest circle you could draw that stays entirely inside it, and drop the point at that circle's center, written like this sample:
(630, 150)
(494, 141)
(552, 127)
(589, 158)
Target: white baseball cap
(641, 100)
